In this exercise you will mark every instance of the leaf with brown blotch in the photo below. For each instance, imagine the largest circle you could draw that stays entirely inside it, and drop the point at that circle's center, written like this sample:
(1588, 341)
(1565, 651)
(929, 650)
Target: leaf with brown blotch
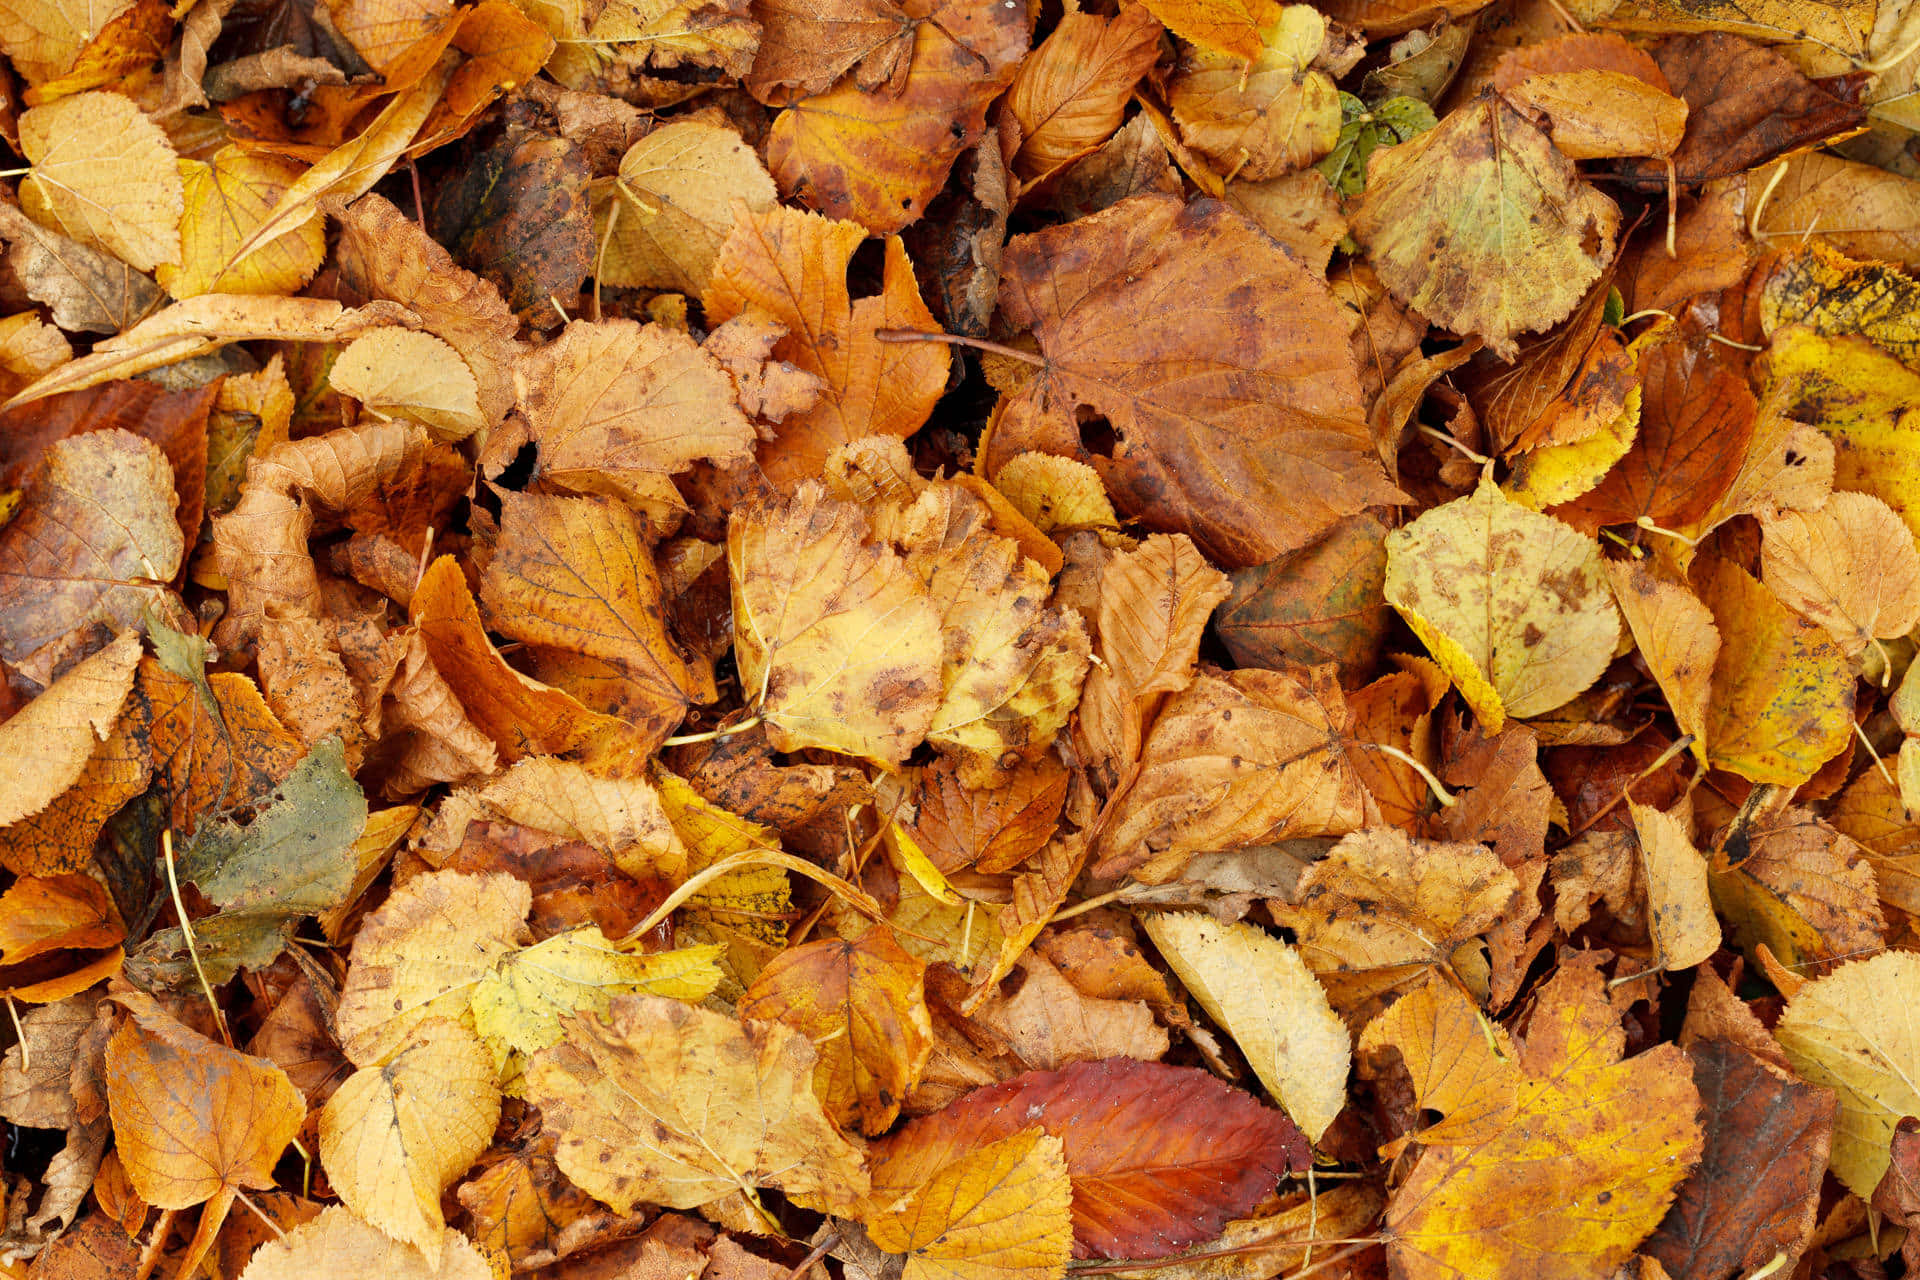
(1597, 113)
(1676, 637)
(862, 1005)
(572, 580)
(1435, 896)
(618, 409)
(59, 935)
(992, 830)
(195, 1122)
(94, 541)
(1048, 1022)
(1757, 1188)
(1746, 104)
(690, 1108)
(1159, 1157)
(385, 254)
(1483, 227)
(1863, 211)
(83, 288)
(406, 374)
(227, 196)
(1259, 120)
(1851, 566)
(1680, 916)
(1071, 91)
(672, 206)
(1262, 994)
(999, 1212)
(1804, 891)
(837, 642)
(394, 1137)
(793, 266)
(1583, 1172)
(1233, 419)
(1512, 604)
(213, 741)
(1782, 702)
(632, 35)
(422, 953)
(50, 742)
(107, 175)
(339, 1244)
(1322, 603)
(1246, 758)
(807, 45)
(625, 818)
(878, 157)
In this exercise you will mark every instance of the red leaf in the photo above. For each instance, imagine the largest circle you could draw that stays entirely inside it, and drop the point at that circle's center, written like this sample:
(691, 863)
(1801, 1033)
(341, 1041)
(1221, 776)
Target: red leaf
(1160, 1157)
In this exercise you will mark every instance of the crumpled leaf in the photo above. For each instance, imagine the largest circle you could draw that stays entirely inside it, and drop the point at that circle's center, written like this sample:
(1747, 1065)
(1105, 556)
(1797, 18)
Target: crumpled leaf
(1071, 91)
(861, 1003)
(690, 1108)
(1000, 1212)
(1262, 994)
(1253, 458)
(1274, 115)
(107, 175)
(806, 45)
(1480, 225)
(1513, 605)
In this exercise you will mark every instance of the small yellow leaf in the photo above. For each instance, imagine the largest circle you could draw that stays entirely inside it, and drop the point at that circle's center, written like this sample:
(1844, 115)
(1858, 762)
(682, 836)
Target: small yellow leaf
(400, 373)
(1000, 1212)
(672, 206)
(226, 199)
(1851, 567)
(339, 1244)
(1679, 908)
(519, 1005)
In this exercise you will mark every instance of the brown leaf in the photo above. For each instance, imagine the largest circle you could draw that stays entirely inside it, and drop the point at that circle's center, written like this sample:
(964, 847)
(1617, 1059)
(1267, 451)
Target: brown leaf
(83, 288)
(1048, 1023)
(1804, 891)
(1258, 120)
(1222, 454)
(1071, 91)
(214, 743)
(1322, 603)
(1159, 1157)
(992, 830)
(805, 47)
(52, 741)
(338, 1243)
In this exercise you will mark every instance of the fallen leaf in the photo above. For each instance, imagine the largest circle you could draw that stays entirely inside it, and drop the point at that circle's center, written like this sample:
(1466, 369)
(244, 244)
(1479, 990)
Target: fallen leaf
(1069, 95)
(59, 935)
(805, 48)
(1803, 891)
(1851, 567)
(415, 376)
(998, 1211)
(107, 175)
(44, 39)
(1679, 910)
(339, 1243)
(673, 206)
(1458, 1061)
(1049, 1022)
(1259, 120)
(54, 737)
(226, 198)
(1677, 639)
(520, 1004)
(1264, 996)
(645, 1086)
(1322, 603)
(1597, 113)
(1524, 621)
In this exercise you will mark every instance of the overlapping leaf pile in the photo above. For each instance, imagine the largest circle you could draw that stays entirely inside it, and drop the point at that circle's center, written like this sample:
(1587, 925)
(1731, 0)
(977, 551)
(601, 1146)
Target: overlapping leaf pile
(960, 639)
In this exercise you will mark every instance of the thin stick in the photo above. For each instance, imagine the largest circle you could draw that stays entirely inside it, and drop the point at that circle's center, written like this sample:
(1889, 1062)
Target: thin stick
(1448, 440)
(820, 1251)
(1440, 793)
(1091, 904)
(26, 1054)
(1646, 522)
(186, 931)
(1637, 778)
(956, 340)
(259, 1213)
(1766, 194)
(711, 735)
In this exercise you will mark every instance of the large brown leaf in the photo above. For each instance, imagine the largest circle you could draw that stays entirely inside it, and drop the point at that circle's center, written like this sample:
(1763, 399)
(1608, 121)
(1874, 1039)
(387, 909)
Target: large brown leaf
(1219, 362)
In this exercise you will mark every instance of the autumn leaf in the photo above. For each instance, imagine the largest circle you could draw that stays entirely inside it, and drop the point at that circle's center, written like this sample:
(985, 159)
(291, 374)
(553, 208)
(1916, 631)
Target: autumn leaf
(1525, 620)
(861, 1004)
(1206, 445)
(339, 1243)
(401, 373)
(1459, 1063)
(1851, 566)
(54, 737)
(1230, 27)
(672, 206)
(1158, 1156)
(649, 1068)
(1001, 1210)
(1070, 94)
(520, 1004)
(59, 935)
(1276, 115)
(106, 174)
(226, 198)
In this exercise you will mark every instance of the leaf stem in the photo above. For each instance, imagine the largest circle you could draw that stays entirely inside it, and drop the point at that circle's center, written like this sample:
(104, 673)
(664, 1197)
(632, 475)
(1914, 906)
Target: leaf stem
(820, 1251)
(1872, 755)
(711, 735)
(1091, 904)
(1637, 778)
(26, 1052)
(186, 931)
(1445, 797)
(957, 340)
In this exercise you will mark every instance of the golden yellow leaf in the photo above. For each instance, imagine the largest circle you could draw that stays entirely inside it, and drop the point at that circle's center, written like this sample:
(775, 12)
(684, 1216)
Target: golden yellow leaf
(1804, 892)
(793, 266)
(107, 175)
(398, 373)
(1854, 1032)
(1863, 211)
(29, 348)
(227, 197)
(663, 1103)
(339, 1244)
(60, 837)
(618, 408)
(1512, 604)
(1865, 401)
(1460, 1062)
(837, 643)
(862, 1005)
(1264, 996)
(1261, 119)
(1782, 702)
(1596, 113)
(1677, 640)
(44, 37)
(1679, 908)
(1056, 493)
(672, 206)
(49, 741)
(394, 1137)
(1230, 27)
(1581, 1174)
(519, 1005)
(1821, 288)
(421, 955)
(1851, 567)
(622, 817)
(1002, 1211)
(382, 31)
(1523, 234)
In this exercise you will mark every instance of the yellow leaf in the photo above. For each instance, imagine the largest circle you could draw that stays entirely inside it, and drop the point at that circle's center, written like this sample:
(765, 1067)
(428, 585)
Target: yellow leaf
(398, 373)
(1865, 401)
(226, 199)
(519, 1005)
(663, 1103)
(1519, 599)
(1679, 908)
(1581, 1174)
(1262, 119)
(837, 644)
(647, 33)
(672, 206)
(44, 37)
(1264, 996)
(421, 955)
(1854, 1032)
(1782, 702)
(1556, 473)
(862, 1005)
(49, 741)
(1072, 92)
(1482, 226)
(1833, 295)
(107, 175)
(1056, 493)
(29, 348)
(622, 817)
(1460, 1062)
(339, 1244)
(1230, 27)
(394, 1137)
(1677, 640)
(1000, 1212)
(1851, 567)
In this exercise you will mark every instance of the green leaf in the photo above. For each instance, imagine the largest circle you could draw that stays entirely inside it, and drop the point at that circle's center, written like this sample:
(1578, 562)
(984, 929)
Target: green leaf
(1363, 130)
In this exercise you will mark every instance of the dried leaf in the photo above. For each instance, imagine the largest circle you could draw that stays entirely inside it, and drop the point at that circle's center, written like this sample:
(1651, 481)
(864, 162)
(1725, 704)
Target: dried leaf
(520, 1004)
(338, 1243)
(107, 175)
(227, 197)
(416, 376)
(673, 206)
(999, 1212)
(51, 741)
